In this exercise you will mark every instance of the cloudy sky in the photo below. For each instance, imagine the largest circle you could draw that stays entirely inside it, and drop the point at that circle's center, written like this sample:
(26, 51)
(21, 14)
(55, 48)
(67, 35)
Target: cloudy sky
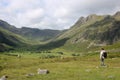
(53, 14)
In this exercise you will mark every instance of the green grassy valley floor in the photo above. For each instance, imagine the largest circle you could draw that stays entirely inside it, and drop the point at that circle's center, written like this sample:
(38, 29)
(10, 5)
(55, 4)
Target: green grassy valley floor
(65, 68)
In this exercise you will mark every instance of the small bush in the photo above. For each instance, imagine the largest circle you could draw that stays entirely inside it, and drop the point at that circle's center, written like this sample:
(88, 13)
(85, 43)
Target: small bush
(60, 53)
(47, 55)
(113, 56)
(75, 54)
(1, 68)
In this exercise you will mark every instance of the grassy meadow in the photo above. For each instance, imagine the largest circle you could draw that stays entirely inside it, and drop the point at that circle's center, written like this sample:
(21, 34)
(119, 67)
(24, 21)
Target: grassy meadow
(61, 66)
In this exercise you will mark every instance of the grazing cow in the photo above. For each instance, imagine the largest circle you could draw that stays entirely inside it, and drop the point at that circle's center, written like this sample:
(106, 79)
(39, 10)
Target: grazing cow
(43, 71)
(4, 78)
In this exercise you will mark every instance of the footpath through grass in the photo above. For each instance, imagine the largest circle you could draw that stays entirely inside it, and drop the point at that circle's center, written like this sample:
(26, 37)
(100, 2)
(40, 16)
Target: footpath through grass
(67, 68)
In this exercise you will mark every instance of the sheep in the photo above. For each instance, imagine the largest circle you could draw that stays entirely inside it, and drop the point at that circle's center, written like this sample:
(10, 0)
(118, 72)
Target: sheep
(42, 71)
(4, 78)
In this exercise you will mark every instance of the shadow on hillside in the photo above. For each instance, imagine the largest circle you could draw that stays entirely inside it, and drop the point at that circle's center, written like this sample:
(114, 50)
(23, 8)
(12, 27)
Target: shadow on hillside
(100, 31)
(53, 44)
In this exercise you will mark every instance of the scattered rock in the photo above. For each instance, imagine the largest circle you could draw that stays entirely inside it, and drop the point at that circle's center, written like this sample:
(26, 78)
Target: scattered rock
(19, 56)
(111, 77)
(43, 71)
(30, 74)
(4, 78)
(97, 67)
(114, 58)
(88, 70)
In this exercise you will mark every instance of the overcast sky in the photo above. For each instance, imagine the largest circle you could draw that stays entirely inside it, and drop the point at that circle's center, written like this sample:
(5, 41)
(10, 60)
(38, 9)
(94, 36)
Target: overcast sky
(53, 14)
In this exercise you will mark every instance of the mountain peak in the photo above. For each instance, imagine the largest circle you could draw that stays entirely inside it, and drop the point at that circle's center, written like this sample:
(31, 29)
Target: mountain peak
(91, 17)
(88, 18)
(6, 25)
(117, 13)
(80, 21)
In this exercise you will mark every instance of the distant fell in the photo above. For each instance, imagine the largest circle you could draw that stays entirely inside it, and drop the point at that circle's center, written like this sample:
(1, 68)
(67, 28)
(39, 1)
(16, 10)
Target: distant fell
(31, 33)
(93, 30)
(87, 33)
(37, 34)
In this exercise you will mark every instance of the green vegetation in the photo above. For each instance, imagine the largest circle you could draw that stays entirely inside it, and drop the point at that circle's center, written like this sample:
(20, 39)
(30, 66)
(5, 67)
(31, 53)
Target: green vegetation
(9, 40)
(71, 55)
(61, 68)
(92, 32)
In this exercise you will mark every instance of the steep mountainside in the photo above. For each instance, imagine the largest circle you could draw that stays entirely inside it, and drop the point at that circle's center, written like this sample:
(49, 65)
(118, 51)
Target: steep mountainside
(12, 37)
(87, 33)
(31, 33)
(37, 34)
(9, 40)
(92, 31)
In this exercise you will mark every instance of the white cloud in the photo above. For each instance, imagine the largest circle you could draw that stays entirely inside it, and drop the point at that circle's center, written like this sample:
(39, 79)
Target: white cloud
(53, 14)
(61, 12)
(30, 16)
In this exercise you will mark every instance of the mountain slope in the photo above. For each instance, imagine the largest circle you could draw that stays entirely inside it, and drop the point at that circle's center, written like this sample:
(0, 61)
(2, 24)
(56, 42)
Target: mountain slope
(9, 40)
(87, 33)
(12, 37)
(92, 31)
(7, 26)
(37, 34)
(31, 33)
